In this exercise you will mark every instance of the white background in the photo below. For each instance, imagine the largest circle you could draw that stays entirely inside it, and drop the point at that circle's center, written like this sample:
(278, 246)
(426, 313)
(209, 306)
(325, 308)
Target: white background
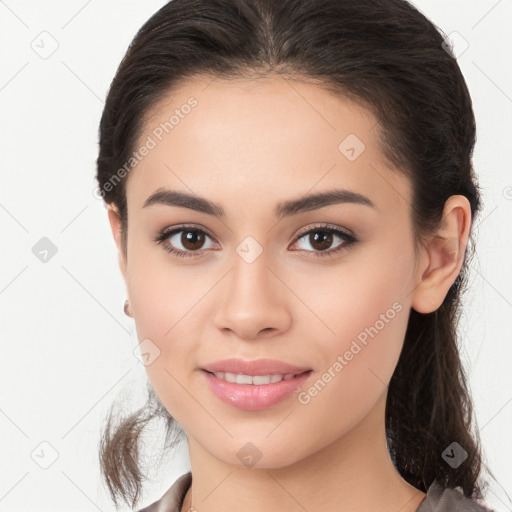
(67, 348)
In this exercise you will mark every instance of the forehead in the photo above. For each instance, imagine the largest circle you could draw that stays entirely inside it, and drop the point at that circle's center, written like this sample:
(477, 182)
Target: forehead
(265, 107)
(272, 136)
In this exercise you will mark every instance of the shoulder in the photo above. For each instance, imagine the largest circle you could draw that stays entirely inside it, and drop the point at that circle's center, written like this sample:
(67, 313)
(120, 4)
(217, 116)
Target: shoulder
(437, 499)
(447, 499)
(172, 500)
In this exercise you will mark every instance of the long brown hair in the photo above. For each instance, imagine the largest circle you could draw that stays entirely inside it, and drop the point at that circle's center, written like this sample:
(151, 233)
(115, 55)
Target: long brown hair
(385, 55)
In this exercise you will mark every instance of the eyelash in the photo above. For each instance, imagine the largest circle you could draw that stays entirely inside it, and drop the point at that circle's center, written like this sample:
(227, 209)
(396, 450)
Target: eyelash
(347, 238)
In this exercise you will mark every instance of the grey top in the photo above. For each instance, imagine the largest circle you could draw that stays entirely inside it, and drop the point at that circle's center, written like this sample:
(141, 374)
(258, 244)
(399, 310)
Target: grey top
(437, 499)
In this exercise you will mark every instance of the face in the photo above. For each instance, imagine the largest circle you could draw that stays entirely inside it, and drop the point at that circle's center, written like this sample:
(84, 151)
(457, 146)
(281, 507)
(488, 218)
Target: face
(323, 285)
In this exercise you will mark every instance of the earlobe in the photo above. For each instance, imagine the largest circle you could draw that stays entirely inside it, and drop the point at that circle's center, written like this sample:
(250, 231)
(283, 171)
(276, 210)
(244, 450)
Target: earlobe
(115, 226)
(442, 256)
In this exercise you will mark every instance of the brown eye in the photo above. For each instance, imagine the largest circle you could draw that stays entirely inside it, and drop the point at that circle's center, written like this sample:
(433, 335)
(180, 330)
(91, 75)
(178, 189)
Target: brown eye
(192, 240)
(322, 240)
(184, 241)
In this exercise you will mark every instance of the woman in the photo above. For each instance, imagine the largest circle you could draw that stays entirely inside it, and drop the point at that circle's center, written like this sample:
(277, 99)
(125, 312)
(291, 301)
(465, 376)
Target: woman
(290, 188)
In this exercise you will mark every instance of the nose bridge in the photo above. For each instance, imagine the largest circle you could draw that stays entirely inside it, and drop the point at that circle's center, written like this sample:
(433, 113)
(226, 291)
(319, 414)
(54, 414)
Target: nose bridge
(252, 284)
(253, 298)
(250, 275)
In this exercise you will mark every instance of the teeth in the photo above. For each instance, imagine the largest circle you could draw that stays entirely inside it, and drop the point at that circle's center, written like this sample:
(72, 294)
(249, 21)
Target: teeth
(250, 379)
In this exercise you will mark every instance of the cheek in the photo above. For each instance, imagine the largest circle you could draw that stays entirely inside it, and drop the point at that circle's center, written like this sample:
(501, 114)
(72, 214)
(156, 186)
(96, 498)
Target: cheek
(167, 302)
(167, 328)
(364, 308)
(357, 362)
(162, 293)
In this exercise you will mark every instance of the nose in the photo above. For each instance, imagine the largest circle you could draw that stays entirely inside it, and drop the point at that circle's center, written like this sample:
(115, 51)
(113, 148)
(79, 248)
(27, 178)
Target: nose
(252, 302)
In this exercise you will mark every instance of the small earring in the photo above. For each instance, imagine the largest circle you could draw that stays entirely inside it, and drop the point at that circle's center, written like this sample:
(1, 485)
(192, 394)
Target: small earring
(127, 311)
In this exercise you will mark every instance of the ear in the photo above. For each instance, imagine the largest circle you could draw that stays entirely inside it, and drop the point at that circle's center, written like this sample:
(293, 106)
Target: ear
(442, 256)
(115, 226)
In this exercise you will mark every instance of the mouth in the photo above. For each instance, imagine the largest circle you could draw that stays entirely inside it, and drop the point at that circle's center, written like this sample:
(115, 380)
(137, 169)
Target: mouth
(254, 392)
(254, 380)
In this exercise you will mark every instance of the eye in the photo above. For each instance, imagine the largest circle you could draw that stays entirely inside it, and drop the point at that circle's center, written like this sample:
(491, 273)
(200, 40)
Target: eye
(321, 238)
(188, 241)
(183, 241)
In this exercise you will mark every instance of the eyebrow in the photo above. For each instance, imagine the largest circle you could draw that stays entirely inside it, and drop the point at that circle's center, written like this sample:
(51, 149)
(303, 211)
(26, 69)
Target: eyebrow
(284, 209)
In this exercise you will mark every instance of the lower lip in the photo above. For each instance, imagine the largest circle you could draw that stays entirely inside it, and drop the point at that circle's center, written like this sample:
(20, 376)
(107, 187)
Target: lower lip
(253, 397)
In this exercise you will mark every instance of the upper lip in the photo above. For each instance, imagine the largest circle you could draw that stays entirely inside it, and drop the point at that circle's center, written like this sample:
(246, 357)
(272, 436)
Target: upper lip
(256, 367)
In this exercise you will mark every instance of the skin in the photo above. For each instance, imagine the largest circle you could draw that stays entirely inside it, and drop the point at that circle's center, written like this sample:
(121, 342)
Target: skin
(257, 144)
